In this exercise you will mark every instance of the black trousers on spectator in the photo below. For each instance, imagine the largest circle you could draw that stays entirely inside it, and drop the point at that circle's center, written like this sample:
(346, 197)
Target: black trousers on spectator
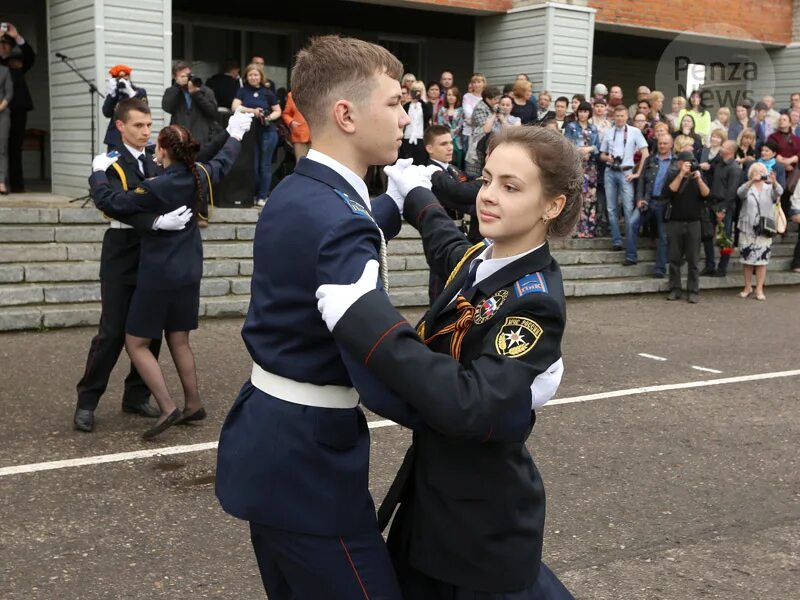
(796, 259)
(16, 135)
(683, 241)
(106, 347)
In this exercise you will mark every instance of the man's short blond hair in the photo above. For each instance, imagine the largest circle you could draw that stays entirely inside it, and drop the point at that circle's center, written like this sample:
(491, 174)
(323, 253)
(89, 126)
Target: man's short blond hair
(333, 67)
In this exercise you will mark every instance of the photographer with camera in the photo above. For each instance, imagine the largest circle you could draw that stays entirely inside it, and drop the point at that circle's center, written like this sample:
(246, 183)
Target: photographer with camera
(501, 117)
(191, 104)
(420, 111)
(687, 191)
(118, 87)
(617, 150)
(756, 225)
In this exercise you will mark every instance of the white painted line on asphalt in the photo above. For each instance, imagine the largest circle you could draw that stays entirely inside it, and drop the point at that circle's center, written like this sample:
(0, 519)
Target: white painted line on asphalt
(675, 386)
(172, 450)
(652, 356)
(105, 458)
(706, 369)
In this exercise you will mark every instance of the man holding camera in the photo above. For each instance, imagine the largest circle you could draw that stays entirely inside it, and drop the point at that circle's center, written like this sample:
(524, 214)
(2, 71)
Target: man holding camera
(617, 150)
(118, 87)
(191, 104)
(687, 191)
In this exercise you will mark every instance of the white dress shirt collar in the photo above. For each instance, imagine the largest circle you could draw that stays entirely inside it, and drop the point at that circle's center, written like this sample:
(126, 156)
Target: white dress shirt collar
(136, 153)
(489, 266)
(349, 176)
(445, 166)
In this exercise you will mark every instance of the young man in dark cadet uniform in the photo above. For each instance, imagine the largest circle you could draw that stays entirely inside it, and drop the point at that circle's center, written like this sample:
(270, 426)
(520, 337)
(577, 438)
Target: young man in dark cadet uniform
(293, 456)
(119, 265)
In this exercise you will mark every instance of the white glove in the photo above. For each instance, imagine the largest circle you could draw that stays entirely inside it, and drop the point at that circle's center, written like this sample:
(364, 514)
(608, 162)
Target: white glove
(175, 220)
(102, 161)
(239, 124)
(128, 88)
(398, 167)
(545, 385)
(335, 300)
(111, 87)
(412, 177)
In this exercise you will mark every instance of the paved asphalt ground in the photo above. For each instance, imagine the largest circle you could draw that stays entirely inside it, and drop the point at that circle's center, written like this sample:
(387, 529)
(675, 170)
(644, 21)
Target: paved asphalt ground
(672, 494)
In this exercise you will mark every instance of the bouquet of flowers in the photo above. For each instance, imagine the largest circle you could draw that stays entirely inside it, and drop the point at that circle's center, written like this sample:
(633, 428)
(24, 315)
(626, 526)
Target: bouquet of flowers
(724, 241)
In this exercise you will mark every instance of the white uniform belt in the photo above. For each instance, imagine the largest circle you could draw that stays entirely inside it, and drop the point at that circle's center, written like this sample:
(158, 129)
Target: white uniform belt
(114, 224)
(308, 394)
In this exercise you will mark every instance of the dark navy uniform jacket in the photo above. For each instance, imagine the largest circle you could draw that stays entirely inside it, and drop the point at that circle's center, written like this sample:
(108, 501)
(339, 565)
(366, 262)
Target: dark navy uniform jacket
(171, 259)
(286, 465)
(119, 258)
(472, 513)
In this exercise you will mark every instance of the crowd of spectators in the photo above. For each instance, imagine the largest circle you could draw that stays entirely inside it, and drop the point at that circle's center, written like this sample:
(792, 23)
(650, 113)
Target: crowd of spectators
(634, 154)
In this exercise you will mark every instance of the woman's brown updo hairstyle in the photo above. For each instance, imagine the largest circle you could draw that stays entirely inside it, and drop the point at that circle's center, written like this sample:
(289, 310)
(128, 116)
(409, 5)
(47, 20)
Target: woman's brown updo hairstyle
(181, 147)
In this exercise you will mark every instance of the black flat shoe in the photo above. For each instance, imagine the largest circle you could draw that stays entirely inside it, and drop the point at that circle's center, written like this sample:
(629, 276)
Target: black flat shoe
(145, 409)
(83, 419)
(156, 430)
(197, 415)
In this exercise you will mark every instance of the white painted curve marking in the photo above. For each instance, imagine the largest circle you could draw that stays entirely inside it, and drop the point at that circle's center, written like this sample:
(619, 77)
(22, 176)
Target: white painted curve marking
(651, 356)
(706, 369)
(173, 450)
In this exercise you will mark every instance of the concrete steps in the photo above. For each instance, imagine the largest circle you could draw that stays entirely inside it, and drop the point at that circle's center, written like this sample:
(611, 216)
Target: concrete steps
(50, 262)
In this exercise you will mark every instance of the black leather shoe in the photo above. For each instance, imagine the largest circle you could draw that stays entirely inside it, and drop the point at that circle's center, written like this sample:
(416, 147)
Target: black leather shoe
(707, 272)
(156, 430)
(197, 415)
(674, 295)
(658, 275)
(628, 262)
(694, 298)
(146, 409)
(719, 273)
(83, 419)
(617, 248)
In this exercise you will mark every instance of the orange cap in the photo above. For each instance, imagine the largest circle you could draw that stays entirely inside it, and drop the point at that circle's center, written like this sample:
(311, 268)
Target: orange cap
(118, 70)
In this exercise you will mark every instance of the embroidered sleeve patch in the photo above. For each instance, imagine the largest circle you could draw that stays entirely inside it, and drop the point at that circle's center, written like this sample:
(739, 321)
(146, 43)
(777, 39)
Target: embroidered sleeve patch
(530, 284)
(140, 190)
(517, 337)
(489, 307)
(352, 204)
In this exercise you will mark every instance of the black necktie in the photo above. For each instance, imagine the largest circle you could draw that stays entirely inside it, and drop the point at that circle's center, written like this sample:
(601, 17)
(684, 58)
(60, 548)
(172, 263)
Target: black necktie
(473, 271)
(141, 165)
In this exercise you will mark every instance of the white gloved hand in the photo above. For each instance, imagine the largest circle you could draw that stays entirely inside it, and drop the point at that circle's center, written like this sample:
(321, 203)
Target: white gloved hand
(175, 220)
(412, 177)
(128, 89)
(102, 161)
(239, 124)
(335, 300)
(397, 168)
(111, 87)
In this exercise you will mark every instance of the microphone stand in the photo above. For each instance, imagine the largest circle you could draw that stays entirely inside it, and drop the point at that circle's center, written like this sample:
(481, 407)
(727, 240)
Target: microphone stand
(92, 91)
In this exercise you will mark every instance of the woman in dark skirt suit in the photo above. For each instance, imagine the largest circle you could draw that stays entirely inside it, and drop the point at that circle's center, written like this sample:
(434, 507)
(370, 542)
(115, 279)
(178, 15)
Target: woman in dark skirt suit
(167, 295)
(484, 357)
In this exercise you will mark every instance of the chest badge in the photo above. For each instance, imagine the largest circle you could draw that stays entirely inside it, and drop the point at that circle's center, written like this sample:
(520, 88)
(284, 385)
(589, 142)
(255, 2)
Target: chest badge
(489, 307)
(517, 337)
(255, 95)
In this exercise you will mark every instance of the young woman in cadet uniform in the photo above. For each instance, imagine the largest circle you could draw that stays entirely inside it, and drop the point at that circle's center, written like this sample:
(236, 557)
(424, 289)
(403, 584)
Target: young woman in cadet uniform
(167, 292)
(487, 353)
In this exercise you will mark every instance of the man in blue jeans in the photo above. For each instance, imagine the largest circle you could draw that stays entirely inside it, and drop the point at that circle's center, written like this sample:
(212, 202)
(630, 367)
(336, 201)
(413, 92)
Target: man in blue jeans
(652, 203)
(617, 150)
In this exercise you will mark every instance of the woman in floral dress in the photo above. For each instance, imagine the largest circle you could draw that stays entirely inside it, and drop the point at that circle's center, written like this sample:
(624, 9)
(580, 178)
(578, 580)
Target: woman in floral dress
(451, 115)
(583, 134)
